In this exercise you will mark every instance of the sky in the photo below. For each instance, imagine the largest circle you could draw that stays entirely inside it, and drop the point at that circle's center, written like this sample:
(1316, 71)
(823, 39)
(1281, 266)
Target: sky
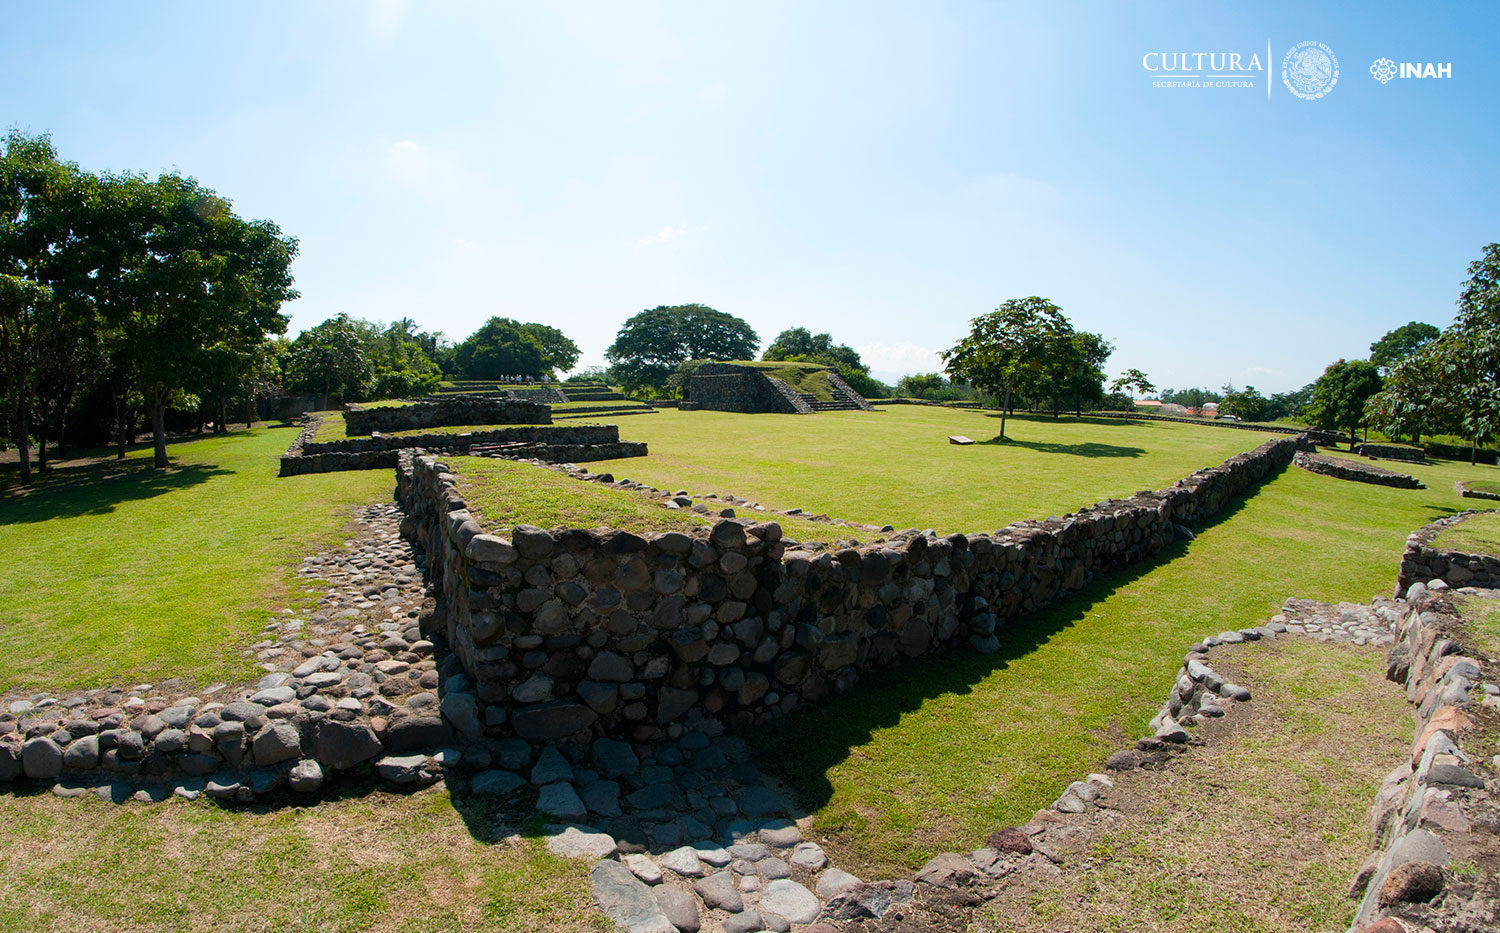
(883, 172)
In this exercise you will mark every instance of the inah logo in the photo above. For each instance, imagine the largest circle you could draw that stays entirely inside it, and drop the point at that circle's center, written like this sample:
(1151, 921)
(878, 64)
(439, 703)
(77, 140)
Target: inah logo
(1310, 70)
(1384, 70)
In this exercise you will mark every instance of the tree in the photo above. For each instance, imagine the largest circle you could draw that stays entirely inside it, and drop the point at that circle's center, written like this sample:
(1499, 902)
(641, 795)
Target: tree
(501, 347)
(651, 344)
(1008, 350)
(1135, 381)
(186, 275)
(332, 360)
(1472, 355)
(1401, 343)
(1418, 395)
(799, 345)
(21, 305)
(1340, 394)
(1247, 404)
(1075, 371)
(559, 354)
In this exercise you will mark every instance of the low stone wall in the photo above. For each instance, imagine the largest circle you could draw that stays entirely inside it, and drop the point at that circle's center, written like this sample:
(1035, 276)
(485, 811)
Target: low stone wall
(576, 631)
(1392, 452)
(1464, 490)
(1319, 437)
(1422, 562)
(722, 387)
(1438, 807)
(445, 411)
(1340, 468)
(557, 443)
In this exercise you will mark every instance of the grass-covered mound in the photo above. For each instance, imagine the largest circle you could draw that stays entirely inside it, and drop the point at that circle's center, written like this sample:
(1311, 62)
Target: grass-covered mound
(810, 378)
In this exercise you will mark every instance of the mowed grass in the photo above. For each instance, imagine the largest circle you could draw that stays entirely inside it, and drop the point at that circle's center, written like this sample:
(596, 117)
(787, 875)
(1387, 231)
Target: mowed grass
(506, 493)
(381, 862)
(1299, 765)
(1477, 534)
(1485, 486)
(896, 466)
(935, 756)
(120, 573)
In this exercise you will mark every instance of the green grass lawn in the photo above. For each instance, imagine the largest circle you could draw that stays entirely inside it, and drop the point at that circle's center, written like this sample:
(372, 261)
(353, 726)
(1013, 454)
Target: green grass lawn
(937, 755)
(1492, 486)
(504, 493)
(1478, 534)
(119, 573)
(330, 428)
(896, 466)
(384, 862)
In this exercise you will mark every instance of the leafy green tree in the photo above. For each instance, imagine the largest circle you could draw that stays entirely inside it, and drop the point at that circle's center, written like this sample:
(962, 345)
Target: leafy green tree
(1134, 380)
(186, 274)
(1418, 395)
(1401, 343)
(332, 360)
(800, 345)
(500, 347)
(1008, 350)
(1472, 355)
(1340, 394)
(1290, 404)
(1245, 404)
(559, 354)
(651, 344)
(1075, 372)
(22, 303)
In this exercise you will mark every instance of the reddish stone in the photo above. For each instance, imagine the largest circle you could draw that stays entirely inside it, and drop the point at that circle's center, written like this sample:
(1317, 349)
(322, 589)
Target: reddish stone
(1009, 840)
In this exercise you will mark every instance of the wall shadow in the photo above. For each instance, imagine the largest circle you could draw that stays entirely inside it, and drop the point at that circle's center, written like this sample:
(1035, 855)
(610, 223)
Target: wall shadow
(1076, 450)
(95, 489)
(805, 746)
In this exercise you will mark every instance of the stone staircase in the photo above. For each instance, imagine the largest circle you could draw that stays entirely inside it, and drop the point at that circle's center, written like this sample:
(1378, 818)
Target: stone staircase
(842, 401)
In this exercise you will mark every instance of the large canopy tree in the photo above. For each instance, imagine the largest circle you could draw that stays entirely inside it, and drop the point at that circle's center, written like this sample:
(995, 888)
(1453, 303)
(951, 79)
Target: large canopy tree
(1340, 394)
(191, 276)
(1401, 343)
(559, 353)
(1010, 350)
(501, 347)
(651, 344)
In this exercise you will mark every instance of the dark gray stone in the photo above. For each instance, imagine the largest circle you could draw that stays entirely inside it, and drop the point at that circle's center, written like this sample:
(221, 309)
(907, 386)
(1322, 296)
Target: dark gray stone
(552, 720)
(626, 901)
(718, 891)
(341, 745)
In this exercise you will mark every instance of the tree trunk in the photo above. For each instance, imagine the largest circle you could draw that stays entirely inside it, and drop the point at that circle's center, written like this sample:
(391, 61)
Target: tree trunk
(159, 432)
(62, 438)
(1003, 410)
(1473, 451)
(23, 440)
(41, 444)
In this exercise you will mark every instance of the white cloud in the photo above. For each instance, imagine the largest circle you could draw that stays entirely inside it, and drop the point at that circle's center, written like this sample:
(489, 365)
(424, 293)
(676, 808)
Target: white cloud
(663, 236)
(904, 357)
(408, 162)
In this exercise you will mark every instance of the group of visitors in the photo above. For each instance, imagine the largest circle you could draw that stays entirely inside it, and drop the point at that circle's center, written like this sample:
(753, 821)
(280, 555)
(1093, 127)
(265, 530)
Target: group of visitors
(518, 380)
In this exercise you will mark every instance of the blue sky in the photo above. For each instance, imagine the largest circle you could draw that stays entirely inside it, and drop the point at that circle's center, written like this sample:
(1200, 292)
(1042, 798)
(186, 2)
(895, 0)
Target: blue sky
(884, 172)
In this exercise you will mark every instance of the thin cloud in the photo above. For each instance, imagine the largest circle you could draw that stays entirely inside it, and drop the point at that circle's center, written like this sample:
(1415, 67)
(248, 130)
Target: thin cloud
(386, 17)
(900, 357)
(663, 236)
(407, 161)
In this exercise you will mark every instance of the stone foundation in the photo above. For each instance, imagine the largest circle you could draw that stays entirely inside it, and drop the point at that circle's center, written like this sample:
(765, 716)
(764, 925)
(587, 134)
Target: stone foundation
(574, 632)
(1392, 452)
(1422, 561)
(445, 411)
(1339, 468)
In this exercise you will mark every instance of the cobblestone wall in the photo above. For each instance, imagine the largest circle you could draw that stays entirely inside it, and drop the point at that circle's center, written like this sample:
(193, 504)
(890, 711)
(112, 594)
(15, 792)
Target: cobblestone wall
(578, 631)
(445, 411)
(1422, 561)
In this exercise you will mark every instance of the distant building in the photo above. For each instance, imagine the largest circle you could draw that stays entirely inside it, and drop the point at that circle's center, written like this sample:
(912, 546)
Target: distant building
(1149, 404)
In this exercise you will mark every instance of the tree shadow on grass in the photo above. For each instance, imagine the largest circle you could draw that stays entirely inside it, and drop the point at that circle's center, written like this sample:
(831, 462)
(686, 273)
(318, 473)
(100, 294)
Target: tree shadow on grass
(95, 489)
(1089, 449)
(1026, 417)
(810, 743)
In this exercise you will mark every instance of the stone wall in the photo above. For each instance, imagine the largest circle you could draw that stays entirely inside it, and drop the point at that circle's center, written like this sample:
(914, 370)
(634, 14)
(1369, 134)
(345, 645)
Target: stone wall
(555, 443)
(1437, 808)
(724, 387)
(1318, 436)
(1353, 470)
(580, 631)
(1422, 561)
(445, 411)
(1463, 490)
(1392, 452)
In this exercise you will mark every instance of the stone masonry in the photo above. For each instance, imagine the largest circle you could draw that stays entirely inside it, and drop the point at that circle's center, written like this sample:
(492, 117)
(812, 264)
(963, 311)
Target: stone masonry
(575, 632)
